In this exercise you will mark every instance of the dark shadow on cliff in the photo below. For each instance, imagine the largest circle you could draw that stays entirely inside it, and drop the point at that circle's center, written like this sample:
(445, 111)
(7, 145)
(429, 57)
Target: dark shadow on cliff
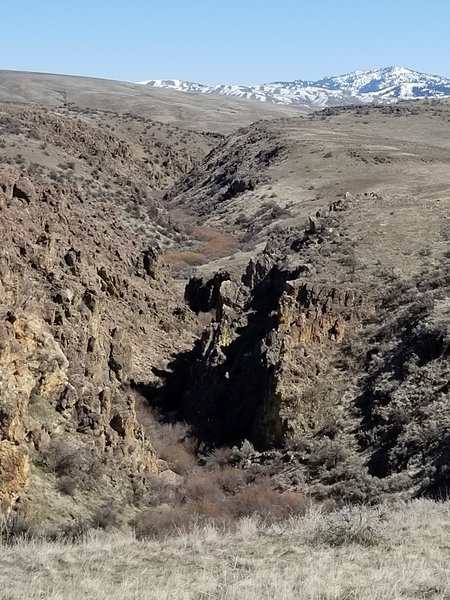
(220, 386)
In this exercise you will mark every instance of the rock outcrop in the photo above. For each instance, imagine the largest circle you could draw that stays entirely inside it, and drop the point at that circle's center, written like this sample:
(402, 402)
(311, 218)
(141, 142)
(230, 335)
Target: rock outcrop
(75, 317)
(13, 185)
(14, 472)
(42, 401)
(255, 373)
(263, 369)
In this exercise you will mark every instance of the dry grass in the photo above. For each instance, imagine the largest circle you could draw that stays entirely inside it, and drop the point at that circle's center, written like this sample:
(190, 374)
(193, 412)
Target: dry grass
(179, 260)
(214, 244)
(402, 552)
(190, 111)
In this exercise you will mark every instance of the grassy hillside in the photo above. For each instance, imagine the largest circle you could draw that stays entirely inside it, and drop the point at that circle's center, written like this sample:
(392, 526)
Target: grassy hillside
(356, 554)
(191, 111)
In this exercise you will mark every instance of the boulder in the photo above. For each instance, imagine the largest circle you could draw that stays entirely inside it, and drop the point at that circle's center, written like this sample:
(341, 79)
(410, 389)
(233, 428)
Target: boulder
(13, 185)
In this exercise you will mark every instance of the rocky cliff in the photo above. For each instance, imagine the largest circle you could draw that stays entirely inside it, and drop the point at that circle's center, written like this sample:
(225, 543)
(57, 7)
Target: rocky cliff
(85, 304)
(326, 347)
(262, 369)
(63, 356)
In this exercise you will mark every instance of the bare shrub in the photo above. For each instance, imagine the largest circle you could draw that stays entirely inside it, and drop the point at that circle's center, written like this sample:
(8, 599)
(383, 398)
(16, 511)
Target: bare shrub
(107, 517)
(210, 510)
(67, 485)
(154, 491)
(230, 479)
(15, 527)
(261, 499)
(162, 522)
(212, 490)
(74, 466)
(180, 460)
(179, 260)
(216, 243)
(73, 532)
(350, 526)
(172, 442)
(202, 485)
(220, 456)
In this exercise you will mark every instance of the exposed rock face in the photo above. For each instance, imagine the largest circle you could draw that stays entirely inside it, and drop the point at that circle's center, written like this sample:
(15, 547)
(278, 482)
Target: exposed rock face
(33, 369)
(85, 303)
(14, 471)
(263, 368)
(260, 370)
(13, 185)
(315, 313)
(39, 404)
(219, 293)
(120, 355)
(75, 319)
(311, 322)
(150, 262)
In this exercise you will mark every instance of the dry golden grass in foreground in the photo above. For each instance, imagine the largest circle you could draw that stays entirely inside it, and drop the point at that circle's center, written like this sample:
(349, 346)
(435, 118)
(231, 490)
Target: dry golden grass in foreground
(367, 553)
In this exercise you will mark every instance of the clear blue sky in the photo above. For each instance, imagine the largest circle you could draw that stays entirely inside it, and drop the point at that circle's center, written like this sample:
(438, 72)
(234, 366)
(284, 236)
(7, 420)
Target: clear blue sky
(230, 41)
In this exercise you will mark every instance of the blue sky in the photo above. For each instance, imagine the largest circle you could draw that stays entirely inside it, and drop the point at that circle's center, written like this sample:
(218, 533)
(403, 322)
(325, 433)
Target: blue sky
(231, 41)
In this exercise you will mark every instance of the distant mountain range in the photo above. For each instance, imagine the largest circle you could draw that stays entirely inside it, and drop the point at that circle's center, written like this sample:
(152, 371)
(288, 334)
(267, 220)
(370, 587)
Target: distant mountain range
(367, 87)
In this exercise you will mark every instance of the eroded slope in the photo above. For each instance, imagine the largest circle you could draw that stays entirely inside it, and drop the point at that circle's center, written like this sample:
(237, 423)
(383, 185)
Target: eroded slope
(335, 340)
(85, 303)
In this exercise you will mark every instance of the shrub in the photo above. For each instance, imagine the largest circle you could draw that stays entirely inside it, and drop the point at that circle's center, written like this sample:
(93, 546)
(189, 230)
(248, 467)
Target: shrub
(181, 259)
(73, 532)
(162, 522)
(67, 485)
(14, 528)
(261, 499)
(230, 479)
(201, 486)
(172, 442)
(74, 466)
(180, 460)
(245, 451)
(107, 517)
(327, 457)
(216, 243)
(360, 526)
(220, 457)
(154, 491)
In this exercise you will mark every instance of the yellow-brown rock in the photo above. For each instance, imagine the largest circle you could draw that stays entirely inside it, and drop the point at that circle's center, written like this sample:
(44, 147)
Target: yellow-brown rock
(14, 471)
(316, 313)
(31, 364)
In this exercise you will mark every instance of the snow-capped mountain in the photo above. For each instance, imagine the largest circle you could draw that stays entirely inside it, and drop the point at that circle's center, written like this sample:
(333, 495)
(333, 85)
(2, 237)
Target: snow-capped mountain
(367, 87)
